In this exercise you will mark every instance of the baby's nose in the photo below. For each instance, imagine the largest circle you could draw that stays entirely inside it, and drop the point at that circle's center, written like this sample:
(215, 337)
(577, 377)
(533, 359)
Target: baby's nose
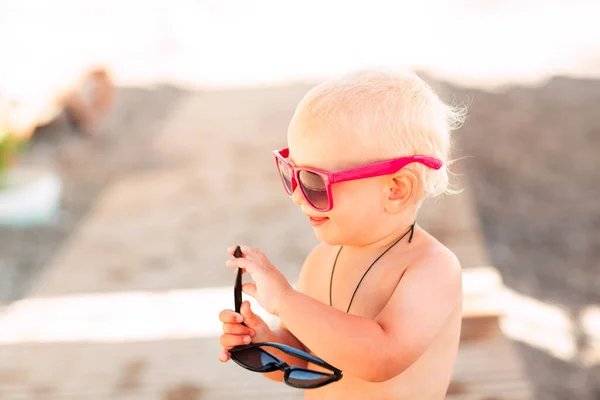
(297, 197)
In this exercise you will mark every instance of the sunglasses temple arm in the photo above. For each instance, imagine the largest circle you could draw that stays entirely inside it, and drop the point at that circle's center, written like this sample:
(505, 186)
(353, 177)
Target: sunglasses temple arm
(237, 291)
(305, 356)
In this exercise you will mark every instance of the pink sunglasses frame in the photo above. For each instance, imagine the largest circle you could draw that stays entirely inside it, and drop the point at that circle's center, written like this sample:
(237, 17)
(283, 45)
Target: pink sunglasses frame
(366, 171)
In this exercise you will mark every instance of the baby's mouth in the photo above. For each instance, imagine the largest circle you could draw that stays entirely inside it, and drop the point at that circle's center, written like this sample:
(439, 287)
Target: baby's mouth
(317, 220)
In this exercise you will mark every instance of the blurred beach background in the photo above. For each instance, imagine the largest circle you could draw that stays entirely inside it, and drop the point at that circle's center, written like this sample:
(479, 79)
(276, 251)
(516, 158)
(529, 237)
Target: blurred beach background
(180, 167)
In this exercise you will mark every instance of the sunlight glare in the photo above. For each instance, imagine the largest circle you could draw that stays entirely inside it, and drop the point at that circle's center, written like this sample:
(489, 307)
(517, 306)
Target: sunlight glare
(120, 317)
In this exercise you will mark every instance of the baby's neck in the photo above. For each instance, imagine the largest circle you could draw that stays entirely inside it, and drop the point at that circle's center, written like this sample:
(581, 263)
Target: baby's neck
(385, 241)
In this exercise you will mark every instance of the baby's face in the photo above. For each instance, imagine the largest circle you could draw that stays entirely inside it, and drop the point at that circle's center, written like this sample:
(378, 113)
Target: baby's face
(359, 205)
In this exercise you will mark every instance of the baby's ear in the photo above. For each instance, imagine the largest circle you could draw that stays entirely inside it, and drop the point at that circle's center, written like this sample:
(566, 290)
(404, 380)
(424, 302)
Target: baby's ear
(401, 191)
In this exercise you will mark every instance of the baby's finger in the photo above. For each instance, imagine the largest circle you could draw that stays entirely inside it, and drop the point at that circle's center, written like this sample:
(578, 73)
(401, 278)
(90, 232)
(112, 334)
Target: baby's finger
(249, 288)
(224, 356)
(256, 255)
(229, 341)
(238, 329)
(251, 252)
(230, 316)
(243, 263)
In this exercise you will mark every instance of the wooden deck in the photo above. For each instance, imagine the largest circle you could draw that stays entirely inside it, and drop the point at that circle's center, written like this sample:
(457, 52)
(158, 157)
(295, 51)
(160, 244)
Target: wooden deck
(489, 369)
(487, 366)
(111, 347)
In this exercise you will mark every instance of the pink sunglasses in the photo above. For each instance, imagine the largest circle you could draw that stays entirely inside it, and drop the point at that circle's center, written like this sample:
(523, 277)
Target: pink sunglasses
(315, 184)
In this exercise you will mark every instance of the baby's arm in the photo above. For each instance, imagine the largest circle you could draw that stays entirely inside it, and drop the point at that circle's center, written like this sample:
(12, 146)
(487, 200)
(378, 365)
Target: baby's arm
(377, 350)
(283, 335)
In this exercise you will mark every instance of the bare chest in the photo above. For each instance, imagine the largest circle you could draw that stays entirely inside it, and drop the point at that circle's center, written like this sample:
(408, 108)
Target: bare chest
(354, 286)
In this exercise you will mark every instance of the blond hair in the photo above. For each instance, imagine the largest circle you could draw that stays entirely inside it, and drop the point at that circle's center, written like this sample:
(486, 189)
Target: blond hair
(393, 115)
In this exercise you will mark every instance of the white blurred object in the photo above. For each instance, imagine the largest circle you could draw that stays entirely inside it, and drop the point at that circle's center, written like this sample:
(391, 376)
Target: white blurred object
(29, 196)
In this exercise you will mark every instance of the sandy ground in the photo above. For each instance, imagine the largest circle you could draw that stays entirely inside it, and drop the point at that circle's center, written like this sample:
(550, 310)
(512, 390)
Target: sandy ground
(86, 167)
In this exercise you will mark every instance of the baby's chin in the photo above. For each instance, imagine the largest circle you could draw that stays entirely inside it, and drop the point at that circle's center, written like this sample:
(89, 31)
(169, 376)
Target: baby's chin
(330, 233)
(322, 233)
(326, 233)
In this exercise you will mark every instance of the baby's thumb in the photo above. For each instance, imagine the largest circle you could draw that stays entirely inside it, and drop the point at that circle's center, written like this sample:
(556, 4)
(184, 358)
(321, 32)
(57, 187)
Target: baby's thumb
(250, 319)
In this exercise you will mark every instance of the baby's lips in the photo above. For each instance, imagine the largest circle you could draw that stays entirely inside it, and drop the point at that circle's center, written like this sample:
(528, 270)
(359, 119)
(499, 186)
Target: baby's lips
(315, 216)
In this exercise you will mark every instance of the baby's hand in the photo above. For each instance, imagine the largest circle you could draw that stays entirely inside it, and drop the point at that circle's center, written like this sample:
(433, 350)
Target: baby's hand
(236, 334)
(270, 286)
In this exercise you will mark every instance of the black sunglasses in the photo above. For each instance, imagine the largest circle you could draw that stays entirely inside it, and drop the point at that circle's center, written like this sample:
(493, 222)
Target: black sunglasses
(255, 357)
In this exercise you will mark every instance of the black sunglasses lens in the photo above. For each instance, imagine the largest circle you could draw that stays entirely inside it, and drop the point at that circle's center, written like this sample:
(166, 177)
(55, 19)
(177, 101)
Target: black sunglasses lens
(303, 378)
(255, 359)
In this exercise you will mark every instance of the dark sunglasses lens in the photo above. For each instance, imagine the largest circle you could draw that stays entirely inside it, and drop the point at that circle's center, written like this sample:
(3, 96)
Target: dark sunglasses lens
(306, 378)
(286, 175)
(314, 188)
(255, 358)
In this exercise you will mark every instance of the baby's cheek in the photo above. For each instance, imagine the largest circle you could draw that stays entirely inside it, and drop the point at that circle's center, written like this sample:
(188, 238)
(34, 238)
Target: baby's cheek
(357, 210)
(365, 198)
(352, 192)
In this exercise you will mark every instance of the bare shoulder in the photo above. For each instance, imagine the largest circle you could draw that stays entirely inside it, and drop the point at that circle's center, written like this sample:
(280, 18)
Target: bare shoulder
(312, 260)
(433, 250)
(317, 253)
(437, 264)
(432, 275)
(426, 300)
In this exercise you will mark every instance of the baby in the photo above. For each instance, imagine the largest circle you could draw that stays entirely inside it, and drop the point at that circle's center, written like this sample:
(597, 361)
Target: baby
(379, 298)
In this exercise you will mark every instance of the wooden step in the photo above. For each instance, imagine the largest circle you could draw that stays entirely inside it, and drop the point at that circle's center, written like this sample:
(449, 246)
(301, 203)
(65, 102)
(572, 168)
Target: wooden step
(488, 369)
(482, 290)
